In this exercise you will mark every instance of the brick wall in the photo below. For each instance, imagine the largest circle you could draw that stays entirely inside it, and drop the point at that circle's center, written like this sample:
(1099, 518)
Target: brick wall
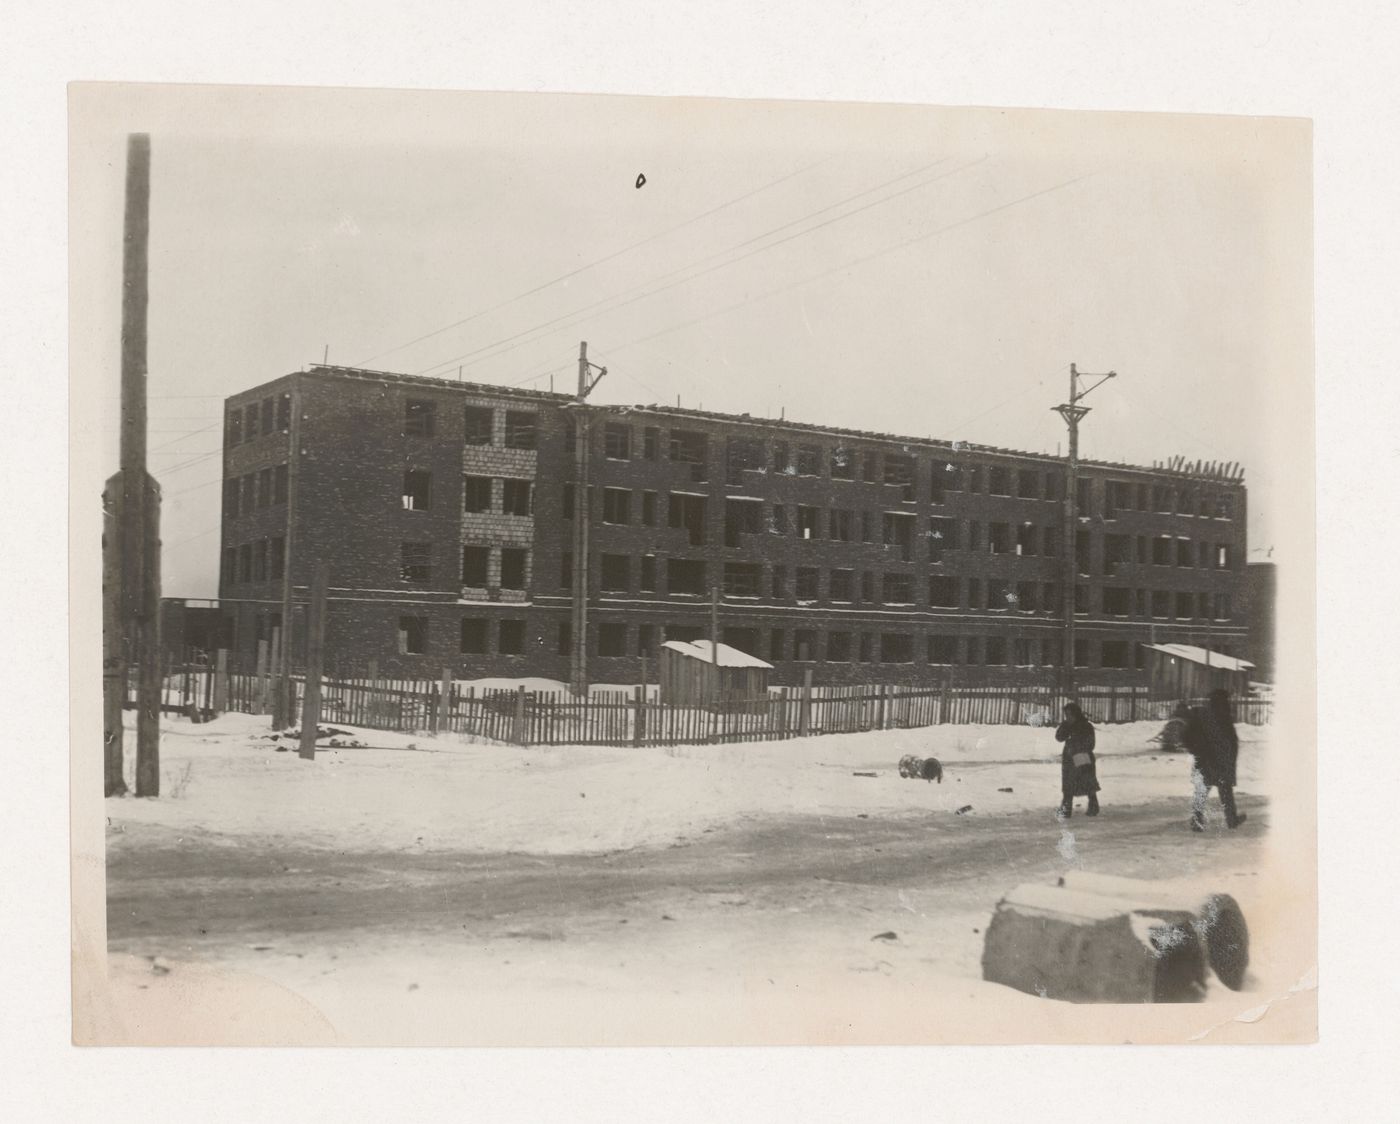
(944, 519)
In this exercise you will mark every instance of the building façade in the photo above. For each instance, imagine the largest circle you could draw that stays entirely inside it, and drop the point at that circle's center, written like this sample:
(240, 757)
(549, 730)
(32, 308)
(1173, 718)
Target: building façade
(445, 514)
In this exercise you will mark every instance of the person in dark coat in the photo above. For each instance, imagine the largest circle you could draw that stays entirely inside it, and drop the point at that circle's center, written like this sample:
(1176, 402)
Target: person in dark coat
(1211, 739)
(1078, 775)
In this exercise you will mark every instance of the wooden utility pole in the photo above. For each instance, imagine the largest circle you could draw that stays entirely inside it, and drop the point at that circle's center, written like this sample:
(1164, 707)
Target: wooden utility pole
(284, 697)
(578, 661)
(442, 715)
(714, 625)
(1073, 413)
(114, 662)
(315, 659)
(135, 491)
(714, 644)
(1210, 612)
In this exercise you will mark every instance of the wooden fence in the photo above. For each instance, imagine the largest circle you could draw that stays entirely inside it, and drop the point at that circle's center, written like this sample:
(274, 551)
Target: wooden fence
(631, 717)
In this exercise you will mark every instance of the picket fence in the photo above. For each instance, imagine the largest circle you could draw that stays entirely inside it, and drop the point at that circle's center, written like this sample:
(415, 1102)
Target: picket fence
(638, 718)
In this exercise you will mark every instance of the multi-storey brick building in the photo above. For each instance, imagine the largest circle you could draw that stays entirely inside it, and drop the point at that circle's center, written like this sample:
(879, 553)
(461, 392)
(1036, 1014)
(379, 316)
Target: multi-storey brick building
(445, 513)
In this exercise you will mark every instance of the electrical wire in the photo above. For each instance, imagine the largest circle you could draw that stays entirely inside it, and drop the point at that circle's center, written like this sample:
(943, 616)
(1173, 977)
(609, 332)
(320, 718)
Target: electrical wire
(190, 538)
(1004, 402)
(188, 463)
(600, 261)
(749, 301)
(641, 292)
(193, 488)
(191, 433)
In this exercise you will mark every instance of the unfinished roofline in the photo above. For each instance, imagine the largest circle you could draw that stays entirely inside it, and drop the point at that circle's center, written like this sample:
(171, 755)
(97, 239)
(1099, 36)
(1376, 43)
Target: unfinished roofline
(365, 374)
(942, 445)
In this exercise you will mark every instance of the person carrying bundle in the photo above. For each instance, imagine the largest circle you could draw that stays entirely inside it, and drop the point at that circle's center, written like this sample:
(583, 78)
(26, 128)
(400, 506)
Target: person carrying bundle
(1078, 773)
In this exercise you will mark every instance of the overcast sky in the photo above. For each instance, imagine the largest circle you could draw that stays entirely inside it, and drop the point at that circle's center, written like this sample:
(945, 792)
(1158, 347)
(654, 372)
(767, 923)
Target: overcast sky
(925, 272)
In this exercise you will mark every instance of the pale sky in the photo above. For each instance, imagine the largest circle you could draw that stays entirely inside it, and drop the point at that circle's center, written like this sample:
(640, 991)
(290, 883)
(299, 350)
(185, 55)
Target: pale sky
(917, 271)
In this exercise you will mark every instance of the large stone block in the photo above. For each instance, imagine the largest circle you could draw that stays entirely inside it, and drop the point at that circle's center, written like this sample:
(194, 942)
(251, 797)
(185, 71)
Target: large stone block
(1062, 944)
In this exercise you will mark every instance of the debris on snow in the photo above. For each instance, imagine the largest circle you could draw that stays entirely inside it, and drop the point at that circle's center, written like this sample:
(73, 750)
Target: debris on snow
(461, 795)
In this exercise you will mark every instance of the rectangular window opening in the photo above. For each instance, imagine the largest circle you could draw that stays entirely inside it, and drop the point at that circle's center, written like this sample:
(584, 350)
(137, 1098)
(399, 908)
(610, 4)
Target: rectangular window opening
(476, 494)
(514, 563)
(517, 497)
(417, 489)
(743, 579)
(413, 636)
(476, 566)
(418, 417)
(617, 506)
(520, 429)
(480, 425)
(415, 562)
(474, 638)
(617, 441)
(615, 574)
(685, 575)
(612, 639)
(511, 638)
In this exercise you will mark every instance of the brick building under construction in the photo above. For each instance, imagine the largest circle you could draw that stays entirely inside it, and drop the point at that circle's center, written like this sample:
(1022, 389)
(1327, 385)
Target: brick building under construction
(446, 512)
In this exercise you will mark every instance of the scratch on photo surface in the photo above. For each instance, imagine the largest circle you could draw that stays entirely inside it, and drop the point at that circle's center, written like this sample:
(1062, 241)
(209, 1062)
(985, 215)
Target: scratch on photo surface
(1307, 982)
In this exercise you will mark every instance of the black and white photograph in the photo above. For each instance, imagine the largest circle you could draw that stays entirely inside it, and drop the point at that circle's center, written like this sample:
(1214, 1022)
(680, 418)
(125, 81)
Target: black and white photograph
(619, 570)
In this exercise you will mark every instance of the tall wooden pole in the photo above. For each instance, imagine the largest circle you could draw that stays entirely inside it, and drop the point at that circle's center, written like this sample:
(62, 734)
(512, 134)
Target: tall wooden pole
(578, 664)
(315, 660)
(284, 698)
(714, 625)
(714, 642)
(1071, 568)
(114, 660)
(1073, 413)
(139, 518)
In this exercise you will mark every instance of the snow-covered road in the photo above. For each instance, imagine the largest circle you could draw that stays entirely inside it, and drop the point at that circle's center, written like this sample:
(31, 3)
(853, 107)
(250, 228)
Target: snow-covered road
(384, 894)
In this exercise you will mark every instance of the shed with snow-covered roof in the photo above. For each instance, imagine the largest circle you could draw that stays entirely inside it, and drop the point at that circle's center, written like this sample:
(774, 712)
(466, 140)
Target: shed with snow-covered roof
(694, 673)
(1190, 672)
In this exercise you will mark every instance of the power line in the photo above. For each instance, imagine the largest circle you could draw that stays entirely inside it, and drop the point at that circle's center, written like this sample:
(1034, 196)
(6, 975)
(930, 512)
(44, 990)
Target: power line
(645, 289)
(1004, 402)
(639, 381)
(188, 463)
(193, 488)
(594, 264)
(674, 362)
(191, 433)
(191, 538)
(749, 301)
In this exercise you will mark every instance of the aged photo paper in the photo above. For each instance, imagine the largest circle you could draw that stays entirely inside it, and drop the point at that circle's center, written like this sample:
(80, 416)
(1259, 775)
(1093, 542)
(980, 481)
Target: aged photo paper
(584, 570)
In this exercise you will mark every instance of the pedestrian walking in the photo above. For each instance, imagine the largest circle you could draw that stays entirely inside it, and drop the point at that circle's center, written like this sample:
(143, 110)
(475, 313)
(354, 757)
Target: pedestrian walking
(1211, 739)
(1078, 774)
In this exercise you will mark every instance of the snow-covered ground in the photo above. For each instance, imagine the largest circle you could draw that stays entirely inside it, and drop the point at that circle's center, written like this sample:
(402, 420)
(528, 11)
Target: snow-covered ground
(412, 791)
(433, 890)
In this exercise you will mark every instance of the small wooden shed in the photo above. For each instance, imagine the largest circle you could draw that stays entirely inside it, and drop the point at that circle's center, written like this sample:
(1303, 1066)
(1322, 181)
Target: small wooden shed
(1188, 672)
(692, 675)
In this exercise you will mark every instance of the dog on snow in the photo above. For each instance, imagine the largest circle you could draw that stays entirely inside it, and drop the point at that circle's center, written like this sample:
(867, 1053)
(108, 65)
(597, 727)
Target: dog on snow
(920, 768)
